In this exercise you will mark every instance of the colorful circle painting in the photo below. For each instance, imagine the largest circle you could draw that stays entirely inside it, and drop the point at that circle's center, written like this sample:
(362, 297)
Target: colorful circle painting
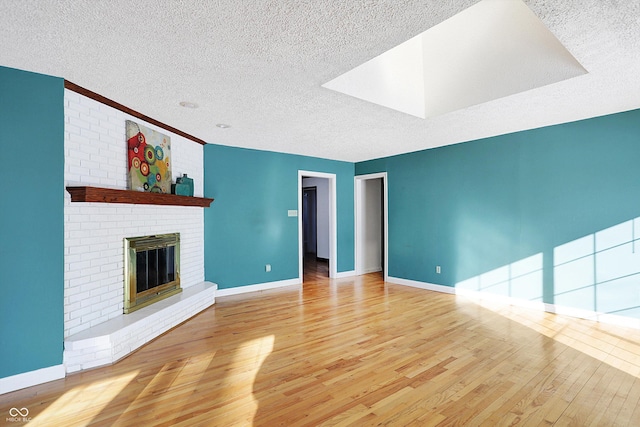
(148, 153)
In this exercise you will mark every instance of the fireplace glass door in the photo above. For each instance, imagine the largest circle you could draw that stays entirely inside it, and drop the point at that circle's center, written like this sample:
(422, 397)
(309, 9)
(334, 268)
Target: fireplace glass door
(152, 269)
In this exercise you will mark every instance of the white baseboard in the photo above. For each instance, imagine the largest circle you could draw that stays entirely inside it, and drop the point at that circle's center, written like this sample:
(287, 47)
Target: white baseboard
(343, 274)
(486, 296)
(257, 287)
(611, 319)
(31, 378)
(421, 285)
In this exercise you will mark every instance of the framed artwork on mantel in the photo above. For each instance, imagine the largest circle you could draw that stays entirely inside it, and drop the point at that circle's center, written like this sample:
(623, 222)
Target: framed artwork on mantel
(148, 155)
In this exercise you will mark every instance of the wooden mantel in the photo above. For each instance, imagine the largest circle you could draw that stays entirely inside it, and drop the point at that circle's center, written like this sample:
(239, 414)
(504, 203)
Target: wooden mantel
(112, 195)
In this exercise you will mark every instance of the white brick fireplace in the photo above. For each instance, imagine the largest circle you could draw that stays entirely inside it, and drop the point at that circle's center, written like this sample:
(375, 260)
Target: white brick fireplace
(95, 329)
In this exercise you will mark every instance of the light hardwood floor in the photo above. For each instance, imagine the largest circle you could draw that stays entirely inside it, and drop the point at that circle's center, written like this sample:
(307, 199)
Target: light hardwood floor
(357, 352)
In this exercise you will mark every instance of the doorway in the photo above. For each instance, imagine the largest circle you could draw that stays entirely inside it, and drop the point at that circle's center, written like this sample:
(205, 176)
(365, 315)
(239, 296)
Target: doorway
(315, 227)
(317, 221)
(371, 224)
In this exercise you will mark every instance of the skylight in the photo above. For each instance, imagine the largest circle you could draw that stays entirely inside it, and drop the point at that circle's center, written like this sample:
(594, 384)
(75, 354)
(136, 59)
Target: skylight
(493, 49)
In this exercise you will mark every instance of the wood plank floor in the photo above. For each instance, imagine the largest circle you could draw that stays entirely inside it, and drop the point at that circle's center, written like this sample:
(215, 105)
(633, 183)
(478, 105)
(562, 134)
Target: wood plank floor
(357, 352)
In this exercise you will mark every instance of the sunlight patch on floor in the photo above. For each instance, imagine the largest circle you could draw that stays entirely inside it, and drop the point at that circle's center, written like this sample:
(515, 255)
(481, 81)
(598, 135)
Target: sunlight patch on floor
(170, 390)
(608, 347)
(243, 367)
(84, 402)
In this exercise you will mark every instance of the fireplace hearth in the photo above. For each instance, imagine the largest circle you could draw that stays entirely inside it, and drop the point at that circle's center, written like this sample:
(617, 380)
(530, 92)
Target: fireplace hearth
(152, 269)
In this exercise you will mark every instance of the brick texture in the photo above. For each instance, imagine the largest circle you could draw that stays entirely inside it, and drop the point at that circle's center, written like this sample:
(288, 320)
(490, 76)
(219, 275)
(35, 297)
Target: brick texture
(95, 154)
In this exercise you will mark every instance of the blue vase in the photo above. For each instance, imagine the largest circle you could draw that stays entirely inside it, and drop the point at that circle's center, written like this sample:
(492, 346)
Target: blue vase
(184, 186)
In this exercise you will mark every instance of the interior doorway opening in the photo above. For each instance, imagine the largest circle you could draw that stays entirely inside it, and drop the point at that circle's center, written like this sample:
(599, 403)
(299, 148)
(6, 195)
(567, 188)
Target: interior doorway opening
(317, 223)
(371, 224)
(315, 226)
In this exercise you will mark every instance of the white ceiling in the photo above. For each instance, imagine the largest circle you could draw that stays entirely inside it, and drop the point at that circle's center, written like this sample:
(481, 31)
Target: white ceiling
(259, 66)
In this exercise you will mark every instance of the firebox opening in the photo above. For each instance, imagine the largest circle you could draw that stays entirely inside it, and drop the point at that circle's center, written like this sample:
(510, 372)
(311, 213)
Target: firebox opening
(151, 269)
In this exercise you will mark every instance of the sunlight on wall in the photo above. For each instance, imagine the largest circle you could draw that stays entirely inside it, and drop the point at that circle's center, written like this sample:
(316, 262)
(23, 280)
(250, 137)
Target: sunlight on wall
(601, 272)
(598, 273)
(595, 276)
(521, 279)
(83, 403)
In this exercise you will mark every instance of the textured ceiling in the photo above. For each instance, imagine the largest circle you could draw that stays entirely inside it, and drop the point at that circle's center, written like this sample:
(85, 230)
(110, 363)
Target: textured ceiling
(259, 66)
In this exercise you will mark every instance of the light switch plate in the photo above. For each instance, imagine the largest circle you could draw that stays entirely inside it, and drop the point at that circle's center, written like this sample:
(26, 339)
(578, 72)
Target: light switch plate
(292, 212)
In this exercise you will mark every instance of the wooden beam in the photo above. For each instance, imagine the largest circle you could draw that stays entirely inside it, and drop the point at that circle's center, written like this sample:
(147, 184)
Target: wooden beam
(104, 100)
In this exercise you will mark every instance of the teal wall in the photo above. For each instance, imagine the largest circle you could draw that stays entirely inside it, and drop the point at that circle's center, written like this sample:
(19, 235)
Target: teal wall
(247, 225)
(470, 208)
(478, 206)
(31, 221)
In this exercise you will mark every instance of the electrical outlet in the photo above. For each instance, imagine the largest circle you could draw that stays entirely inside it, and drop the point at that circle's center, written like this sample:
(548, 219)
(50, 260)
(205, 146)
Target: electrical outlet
(438, 269)
(267, 268)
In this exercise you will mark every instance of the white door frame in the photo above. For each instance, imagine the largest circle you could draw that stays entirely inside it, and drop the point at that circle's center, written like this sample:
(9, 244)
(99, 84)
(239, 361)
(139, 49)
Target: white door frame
(333, 241)
(359, 212)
